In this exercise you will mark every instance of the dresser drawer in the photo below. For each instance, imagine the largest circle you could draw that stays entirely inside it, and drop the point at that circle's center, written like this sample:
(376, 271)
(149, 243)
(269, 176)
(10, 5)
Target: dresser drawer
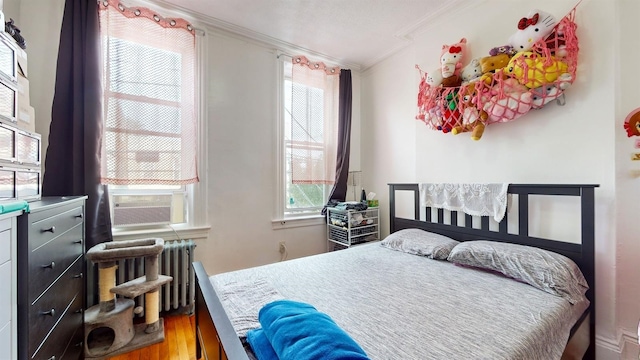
(57, 341)
(50, 260)
(51, 232)
(5, 246)
(5, 294)
(6, 342)
(75, 348)
(46, 311)
(47, 225)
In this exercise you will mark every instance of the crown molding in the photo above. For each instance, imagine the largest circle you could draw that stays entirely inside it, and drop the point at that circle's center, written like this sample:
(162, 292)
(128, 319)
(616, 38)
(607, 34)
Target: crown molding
(425, 23)
(234, 31)
(406, 34)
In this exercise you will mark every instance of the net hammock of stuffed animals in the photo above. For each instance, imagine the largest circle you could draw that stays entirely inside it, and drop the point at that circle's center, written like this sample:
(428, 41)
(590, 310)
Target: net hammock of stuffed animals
(535, 68)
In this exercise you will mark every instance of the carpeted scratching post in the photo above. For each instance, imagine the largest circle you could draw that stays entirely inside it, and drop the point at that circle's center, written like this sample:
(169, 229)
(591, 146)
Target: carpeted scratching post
(109, 328)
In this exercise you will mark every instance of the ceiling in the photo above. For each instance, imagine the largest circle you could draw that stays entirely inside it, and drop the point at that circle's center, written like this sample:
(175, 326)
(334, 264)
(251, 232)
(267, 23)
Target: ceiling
(356, 33)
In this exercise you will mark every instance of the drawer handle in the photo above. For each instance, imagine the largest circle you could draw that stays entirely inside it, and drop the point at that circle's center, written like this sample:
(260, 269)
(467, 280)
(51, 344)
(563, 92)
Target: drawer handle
(79, 216)
(51, 312)
(78, 276)
(51, 229)
(78, 241)
(50, 266)
(80, 344)
(79, 311)
(52, 358)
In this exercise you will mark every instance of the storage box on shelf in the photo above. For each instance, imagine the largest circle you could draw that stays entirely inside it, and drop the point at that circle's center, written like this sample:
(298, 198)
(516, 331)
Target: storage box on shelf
(20, 164)
(346, 228)
(20, 146)
(8, 80)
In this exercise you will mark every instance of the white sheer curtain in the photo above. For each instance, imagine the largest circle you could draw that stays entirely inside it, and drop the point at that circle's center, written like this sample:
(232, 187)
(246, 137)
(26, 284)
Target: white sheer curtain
(314, 122)
(150, 134)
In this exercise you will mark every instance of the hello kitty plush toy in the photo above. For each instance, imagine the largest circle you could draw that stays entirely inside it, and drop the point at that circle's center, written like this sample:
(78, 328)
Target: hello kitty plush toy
(451, 58)
(536, 26)
(434, 78)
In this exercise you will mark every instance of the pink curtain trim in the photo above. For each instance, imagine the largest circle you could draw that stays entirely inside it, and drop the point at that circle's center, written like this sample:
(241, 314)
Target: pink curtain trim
(136, 12)
(118, 181)
(302, 60)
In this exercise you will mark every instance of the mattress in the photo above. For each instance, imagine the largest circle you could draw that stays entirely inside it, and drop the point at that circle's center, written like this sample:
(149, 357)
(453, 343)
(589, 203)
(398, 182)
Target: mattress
(403, 306)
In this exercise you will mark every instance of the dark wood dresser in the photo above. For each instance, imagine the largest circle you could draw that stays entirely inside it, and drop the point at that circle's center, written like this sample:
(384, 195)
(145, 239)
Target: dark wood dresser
(51, 280)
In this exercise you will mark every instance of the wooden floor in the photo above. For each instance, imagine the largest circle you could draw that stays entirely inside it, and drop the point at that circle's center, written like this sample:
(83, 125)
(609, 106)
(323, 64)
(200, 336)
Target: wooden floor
(179, 342)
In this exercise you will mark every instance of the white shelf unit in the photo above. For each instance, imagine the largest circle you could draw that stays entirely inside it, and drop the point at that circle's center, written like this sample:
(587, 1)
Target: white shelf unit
(352, 227)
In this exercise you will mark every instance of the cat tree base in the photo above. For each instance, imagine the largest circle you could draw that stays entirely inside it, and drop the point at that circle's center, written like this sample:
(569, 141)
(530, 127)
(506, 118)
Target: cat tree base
(140, 339)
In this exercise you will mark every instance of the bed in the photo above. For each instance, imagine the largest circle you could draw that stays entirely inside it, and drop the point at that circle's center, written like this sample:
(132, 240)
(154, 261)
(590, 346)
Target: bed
(367, 289)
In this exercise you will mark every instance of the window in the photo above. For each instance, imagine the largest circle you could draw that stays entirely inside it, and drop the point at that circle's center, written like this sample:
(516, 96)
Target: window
(309, 134)
(150, 115)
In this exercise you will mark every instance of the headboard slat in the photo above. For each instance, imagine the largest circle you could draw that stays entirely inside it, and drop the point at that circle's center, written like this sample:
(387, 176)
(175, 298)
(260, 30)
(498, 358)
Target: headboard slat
(523, 213)
(484, 223)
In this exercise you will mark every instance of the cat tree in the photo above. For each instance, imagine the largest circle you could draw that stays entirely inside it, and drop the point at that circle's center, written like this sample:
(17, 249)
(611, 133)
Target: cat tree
(109, 328)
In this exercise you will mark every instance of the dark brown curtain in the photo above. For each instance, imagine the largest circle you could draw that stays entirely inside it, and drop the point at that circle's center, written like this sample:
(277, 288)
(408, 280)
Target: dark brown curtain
(72, 165)
(339, 191)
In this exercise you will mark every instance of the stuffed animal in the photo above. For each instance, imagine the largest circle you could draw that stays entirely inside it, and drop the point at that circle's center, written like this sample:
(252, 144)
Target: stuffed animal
(472, 71)
(508, 107)
(632, 125)
(451, 114)
(504, 49)
(433, 115)
(434, 78)
(449, 120)
(536, 26)
(533, 70)
(451, 58)
(493, 63)
(473, 119)
(547, 93)
(452, 81)
(490, 64)
(556, 42)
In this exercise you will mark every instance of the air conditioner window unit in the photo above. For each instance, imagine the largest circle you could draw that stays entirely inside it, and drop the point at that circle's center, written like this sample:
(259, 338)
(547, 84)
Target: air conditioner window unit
(145, 209)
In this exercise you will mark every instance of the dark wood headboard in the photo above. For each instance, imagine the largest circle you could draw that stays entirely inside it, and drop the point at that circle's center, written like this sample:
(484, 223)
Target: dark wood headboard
(582, 254)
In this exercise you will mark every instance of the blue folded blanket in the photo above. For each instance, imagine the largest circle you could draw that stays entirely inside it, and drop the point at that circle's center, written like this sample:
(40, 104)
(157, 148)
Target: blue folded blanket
(297, 331)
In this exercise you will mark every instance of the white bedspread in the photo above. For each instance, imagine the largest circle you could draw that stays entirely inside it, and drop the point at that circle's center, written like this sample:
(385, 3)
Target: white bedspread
(472, 199)
(402, 306)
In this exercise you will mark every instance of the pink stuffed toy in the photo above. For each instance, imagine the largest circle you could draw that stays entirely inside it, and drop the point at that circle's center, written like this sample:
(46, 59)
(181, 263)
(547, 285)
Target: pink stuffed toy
(509, 107)
(451, 58)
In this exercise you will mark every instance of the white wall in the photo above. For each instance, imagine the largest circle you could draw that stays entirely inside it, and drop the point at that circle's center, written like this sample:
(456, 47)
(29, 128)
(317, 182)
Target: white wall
(627, 180)
(582, 142)
(240, 166)
(575, 143)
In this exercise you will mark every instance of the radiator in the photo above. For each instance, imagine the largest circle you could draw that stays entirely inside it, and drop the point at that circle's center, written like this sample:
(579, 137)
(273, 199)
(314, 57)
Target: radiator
(175, 261)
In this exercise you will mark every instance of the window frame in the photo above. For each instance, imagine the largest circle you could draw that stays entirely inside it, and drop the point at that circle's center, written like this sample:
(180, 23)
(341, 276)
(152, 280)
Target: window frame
(281, 217)
(196, 226)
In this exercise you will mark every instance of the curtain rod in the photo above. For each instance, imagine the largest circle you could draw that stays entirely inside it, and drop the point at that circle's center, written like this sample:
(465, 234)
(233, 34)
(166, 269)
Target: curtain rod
(337, 64)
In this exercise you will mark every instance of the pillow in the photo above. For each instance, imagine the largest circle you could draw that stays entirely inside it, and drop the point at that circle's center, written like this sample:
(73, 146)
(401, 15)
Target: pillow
(420, 242)
(545, 270)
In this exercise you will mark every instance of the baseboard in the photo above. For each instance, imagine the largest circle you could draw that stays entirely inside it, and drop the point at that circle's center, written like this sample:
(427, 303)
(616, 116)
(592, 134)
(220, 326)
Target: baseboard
(607, 348)
(624, 347)
(628, 345)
